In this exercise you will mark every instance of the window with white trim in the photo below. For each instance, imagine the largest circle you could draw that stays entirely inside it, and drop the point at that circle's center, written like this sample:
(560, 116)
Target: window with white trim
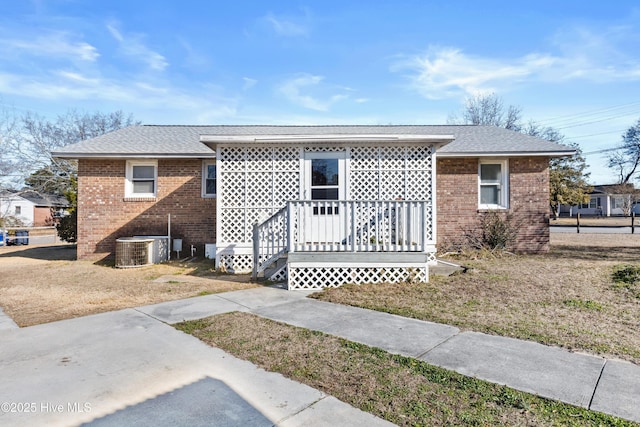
(142, 178)
(209, 178)
(493, 184)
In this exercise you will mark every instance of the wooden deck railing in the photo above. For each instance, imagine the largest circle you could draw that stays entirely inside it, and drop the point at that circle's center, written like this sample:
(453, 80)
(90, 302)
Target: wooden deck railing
(343, 226)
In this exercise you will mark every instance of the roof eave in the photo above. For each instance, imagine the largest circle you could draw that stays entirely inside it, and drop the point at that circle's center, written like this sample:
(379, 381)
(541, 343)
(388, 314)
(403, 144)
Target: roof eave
(71, 155)
(341, 138)
(506, 154)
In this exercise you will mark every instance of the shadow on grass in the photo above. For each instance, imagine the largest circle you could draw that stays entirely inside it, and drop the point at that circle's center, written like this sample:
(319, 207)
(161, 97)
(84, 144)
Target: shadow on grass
(48, 253)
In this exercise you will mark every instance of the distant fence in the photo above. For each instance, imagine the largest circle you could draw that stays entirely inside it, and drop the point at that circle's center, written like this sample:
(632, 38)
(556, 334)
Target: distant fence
(35, 236)
(604, 224)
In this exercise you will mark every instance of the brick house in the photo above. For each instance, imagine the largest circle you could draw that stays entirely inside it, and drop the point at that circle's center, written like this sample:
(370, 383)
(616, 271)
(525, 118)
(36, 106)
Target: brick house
(314, 204)
(32, 209)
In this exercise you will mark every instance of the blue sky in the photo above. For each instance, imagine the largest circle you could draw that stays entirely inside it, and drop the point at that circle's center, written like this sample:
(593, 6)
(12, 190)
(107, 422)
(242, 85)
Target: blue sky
(574, 65)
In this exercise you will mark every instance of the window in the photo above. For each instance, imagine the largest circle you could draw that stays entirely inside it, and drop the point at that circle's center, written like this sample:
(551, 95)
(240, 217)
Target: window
(18, 210)
(617, 202)
(209, 179)
(594, 203)
(324, 183)
(142, 179)
(493, 185)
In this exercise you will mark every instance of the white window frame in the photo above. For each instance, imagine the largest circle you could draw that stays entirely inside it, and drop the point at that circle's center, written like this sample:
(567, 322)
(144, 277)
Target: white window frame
(205, 165)
(129, 179)
(503, 203)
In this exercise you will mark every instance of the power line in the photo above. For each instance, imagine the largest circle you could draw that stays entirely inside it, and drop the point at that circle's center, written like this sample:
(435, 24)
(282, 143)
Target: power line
(572, 119)
(604, 150)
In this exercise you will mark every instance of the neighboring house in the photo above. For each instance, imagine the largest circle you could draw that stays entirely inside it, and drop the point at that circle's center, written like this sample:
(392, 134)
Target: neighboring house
(332, 204)
(32, 209)
(607, 200)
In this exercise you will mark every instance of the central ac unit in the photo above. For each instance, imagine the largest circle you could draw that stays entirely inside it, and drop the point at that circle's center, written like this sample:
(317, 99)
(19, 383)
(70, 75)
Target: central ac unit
(133, 252)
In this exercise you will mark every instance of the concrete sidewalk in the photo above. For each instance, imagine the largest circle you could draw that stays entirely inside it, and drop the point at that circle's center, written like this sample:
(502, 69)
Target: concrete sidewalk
(609, 386)
(127, 368)
(130, 365)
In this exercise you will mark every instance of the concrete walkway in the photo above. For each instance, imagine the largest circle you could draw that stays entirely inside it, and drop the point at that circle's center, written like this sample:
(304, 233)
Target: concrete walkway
(129, 366)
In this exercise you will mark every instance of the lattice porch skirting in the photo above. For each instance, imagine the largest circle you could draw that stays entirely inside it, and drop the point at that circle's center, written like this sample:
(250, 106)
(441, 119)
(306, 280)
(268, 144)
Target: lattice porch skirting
(302, 276)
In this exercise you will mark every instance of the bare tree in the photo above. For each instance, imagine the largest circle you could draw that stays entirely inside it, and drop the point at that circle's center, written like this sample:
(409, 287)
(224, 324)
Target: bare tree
(33, 138)
(489, 110)
(626, 160)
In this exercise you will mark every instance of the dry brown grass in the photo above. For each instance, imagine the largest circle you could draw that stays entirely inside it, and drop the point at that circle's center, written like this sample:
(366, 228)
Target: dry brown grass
(44, 284)
(565, 298)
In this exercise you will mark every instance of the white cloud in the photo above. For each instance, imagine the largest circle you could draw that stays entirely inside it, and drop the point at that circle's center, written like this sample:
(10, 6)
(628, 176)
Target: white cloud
(248, 83)
(132, 46)
(576, 54)
(297, 91)
(52, 45)
(288, 27)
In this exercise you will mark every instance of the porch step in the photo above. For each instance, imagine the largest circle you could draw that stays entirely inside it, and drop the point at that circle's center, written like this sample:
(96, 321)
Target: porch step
(277, 267)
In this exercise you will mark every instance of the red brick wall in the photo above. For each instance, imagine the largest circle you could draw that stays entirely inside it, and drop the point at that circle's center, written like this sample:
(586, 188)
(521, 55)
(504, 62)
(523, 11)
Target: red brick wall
(104, 215)
(457, 200)
(42, 216)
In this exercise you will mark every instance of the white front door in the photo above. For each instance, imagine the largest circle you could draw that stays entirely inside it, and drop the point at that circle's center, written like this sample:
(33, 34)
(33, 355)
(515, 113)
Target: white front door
(325, 183)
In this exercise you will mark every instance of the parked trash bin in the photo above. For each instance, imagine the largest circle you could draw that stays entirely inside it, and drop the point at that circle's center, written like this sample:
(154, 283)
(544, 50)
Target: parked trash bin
(22, 237)
(3, 238)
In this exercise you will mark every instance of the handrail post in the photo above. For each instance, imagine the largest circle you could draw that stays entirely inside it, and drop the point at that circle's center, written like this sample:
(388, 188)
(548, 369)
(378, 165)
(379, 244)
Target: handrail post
(353, 226)
(289, 227)
(423, 224)
(256, 251)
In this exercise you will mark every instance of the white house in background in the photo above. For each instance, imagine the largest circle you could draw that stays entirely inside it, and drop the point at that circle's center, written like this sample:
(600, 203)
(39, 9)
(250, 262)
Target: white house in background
(606, 200)
(31, 209)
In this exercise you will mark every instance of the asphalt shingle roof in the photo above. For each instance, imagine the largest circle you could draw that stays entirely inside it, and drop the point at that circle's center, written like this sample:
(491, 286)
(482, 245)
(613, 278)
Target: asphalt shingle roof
(184, 141)
(38, 199)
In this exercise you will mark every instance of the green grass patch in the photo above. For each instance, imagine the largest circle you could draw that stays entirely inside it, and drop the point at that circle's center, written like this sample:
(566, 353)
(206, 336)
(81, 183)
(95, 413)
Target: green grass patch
(627, 278)
(403, 390)
(628, 274)
(583, 304)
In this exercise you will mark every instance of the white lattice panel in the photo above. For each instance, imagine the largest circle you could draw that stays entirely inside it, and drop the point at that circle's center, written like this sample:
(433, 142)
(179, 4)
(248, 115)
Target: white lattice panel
(418, 185)
(259, 191)
(364, 158)
(256, 181)
(323, 149)
(260, 159)
(231, 159)
(332, 277)
(363, 185)
(419, 158)
(232, 190)
(230, 220)
(236, 263)
(286, 187)
(287, 158)
(392, 157)
(392, 185)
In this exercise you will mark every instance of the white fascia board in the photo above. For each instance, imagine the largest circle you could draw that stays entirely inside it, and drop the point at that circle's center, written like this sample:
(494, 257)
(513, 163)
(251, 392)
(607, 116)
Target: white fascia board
(62, 155)
(251, 139)
(507, 154)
